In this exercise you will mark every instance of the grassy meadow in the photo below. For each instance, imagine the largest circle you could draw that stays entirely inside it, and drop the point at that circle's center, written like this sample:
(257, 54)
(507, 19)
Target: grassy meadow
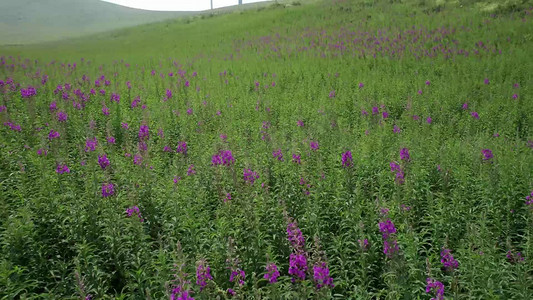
(345, 149)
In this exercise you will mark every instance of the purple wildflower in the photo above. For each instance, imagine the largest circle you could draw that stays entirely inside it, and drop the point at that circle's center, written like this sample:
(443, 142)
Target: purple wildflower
(447, 260)
(404, 154)
(272, 273)
(297, 266)
(144, 133)
(237, 275)
(429, 120)
(182, 147)
(191, 171)
(278, 154)
(137, 159)
(134, 210)
(400, 175)
(514, 257)
(53, 134)
(296, 159)
(224, 158)
(321, 275)
(135, 102)
(300, 123)
(115, 98)
(487, 154)
(62, 116)
(529, 200)
(105, 110)
(385, 115)
(42, 152)
(486, 81)
(428, 82)
(437, 287)
(361, 85)
(475, 115)
(515, 96)
(295, 237)
(62, 168)
(375, 110)
(103, 161)
(107, 189)
(250, 176)
(465, 106)
(390, 245)
(203, 274)
(363, 244)
(53, 106)
(91, 144)
(332, 94)
(396, 129)
(314, 145)
(125, 125)
(110, 140)
(347, 159)
(28, 92)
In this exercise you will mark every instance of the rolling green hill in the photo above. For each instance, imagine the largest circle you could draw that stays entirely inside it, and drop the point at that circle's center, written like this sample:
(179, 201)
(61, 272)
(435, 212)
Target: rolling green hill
(27, 21)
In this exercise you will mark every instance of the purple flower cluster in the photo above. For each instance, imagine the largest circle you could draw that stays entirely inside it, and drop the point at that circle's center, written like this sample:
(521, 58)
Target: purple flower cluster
(115, 98)
(272, 273)
(137, 159)
(396, 168)
(62, 168)
(62, 116)
(28, 92)
(203, 274)
(223, 158)
(191, 170)
(91, 144)
(514, 257)
(144, 133)
(182, 147)
(404, 154)
(297, 266)
(529, 200)
(314, 145)
(237, 275)
(13, 126)
(53, 134)
(108, 189)
(487, 154)
(321, 275)
(390, 245)
(347, 159)
(134, 210)
(296, 238)
(447, 260)
(278, 154)
(296, 159)
(103, 161)
(437, 287)
(250, 176)
(179, 293)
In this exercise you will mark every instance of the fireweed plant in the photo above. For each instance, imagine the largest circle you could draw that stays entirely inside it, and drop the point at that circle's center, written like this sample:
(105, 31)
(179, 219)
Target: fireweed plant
(350, 149)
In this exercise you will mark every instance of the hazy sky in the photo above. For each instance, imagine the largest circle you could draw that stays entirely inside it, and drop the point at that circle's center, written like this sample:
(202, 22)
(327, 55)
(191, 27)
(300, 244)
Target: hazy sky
(178, 5)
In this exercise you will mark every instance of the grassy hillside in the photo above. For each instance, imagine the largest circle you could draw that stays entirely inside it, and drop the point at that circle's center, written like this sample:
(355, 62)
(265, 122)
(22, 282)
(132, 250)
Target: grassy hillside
(347, 149)
(28, 21)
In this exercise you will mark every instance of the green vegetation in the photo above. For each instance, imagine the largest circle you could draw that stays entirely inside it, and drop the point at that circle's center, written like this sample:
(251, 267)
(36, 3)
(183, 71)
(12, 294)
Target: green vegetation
(396, 135)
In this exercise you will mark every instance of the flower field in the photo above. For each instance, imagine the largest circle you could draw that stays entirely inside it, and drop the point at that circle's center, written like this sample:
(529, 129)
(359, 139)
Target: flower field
(317, 150)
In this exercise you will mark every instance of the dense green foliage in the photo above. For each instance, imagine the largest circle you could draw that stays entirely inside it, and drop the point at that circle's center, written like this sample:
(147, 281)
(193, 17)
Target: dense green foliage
(446, 80)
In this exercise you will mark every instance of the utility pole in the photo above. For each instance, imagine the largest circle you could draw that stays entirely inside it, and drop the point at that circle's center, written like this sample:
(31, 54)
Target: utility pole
(240, 2)
(211, 4)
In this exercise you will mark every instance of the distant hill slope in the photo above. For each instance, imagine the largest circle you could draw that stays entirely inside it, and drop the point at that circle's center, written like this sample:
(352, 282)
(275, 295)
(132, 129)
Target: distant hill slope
(33, 21)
